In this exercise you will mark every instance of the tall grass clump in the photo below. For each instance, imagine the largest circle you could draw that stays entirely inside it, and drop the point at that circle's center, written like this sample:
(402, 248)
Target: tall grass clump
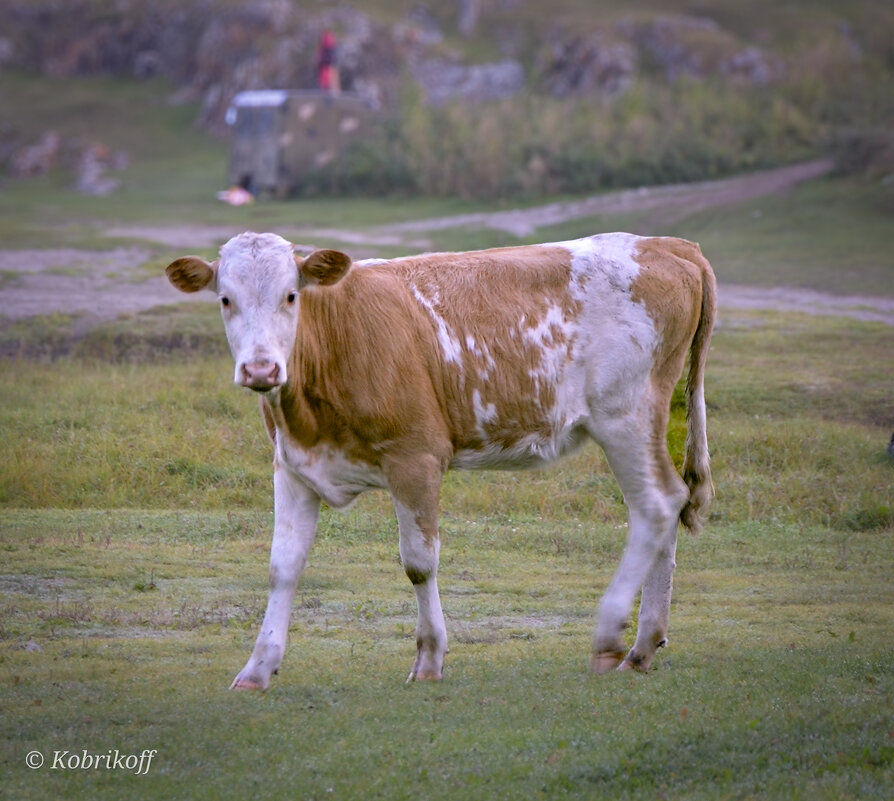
(536, 144)
(799, 420)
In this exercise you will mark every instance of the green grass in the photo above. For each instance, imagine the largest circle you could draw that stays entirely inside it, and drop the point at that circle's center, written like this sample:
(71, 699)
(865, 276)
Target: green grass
(828, 234)
(171, 165)
(777, 683)
(135, 499)
(144, 599)
(789, 393)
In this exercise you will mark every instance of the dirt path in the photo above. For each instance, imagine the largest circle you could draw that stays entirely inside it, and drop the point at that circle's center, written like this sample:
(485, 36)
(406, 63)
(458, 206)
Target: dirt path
(670, 203)
(674, 202)
(806, 301)
(101, 285)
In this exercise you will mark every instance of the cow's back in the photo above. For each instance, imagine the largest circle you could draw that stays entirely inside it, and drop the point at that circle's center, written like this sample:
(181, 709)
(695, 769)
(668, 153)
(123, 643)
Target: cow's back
(503, 353)
(524, 335)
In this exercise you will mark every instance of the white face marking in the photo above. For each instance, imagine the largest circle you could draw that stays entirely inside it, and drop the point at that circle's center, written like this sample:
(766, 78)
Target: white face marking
(258, 289)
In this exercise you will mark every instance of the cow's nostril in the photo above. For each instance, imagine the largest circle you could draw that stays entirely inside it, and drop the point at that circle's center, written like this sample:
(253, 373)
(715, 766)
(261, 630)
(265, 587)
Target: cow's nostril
(260, 375)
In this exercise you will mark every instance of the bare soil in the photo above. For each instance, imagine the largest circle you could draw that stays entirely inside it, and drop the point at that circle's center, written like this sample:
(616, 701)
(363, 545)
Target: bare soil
(103, 285)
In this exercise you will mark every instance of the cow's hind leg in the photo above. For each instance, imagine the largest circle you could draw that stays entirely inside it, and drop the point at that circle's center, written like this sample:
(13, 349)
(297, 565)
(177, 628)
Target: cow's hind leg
(654, 494)
(654, 613)
(415, 494)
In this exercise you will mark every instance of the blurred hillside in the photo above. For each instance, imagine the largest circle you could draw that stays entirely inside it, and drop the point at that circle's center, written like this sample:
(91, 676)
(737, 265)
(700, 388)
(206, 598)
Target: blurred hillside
(499, 98)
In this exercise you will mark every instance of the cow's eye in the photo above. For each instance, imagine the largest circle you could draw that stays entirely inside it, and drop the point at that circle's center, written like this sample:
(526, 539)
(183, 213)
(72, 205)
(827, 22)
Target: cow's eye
(290, 298)
(224, 301)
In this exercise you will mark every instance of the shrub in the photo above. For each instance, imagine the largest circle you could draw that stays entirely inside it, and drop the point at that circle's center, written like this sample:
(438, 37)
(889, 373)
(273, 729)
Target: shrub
(532, 144)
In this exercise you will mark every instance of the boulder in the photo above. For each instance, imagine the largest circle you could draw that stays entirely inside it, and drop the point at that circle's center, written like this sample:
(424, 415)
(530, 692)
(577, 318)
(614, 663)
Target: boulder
(444, 81)
(36, 158)
(92, 169)
(587, 65)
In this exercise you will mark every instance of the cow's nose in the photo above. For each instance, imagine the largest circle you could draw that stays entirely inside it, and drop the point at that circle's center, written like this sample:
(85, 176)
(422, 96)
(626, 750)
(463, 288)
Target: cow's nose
(260, 376)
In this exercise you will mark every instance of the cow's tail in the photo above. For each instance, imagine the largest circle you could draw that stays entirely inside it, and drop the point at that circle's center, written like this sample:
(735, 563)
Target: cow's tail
(697, 461)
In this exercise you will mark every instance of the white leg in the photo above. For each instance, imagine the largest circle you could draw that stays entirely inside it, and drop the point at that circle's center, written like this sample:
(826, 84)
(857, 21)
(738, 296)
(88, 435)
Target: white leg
(654, 614)
(419, 552)
(296, 509)
(614, 610)
(654, 494)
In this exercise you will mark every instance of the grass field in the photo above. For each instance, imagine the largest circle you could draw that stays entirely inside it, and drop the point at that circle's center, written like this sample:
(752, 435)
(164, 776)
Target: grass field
(135, 528)
(777, 683)
(827, 234)
(135, 532)
(135, 525)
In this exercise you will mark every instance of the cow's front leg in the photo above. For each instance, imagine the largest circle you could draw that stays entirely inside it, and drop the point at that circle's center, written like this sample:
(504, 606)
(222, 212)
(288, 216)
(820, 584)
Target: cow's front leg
(416, 504)
(296, 509)
(419, 554)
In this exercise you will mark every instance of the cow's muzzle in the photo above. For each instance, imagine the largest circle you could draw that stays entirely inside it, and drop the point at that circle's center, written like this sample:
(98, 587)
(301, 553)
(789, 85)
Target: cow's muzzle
(260, 376)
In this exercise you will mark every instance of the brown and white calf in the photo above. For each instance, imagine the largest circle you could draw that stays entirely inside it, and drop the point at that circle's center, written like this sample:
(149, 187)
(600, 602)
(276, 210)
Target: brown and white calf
(385, 374)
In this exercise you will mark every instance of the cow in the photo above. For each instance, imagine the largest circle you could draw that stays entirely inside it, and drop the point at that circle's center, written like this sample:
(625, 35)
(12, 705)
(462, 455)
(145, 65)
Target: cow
(387, 373)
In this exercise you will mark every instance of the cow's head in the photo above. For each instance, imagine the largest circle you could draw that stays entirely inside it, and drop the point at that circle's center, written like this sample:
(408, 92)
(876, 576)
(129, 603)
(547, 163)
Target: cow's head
(257, 280)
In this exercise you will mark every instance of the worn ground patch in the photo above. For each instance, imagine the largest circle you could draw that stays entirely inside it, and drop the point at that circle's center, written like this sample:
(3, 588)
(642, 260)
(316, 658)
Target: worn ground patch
(100, 285)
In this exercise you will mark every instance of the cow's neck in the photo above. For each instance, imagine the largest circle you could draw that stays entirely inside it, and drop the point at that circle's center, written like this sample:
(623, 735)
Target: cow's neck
(301, 409)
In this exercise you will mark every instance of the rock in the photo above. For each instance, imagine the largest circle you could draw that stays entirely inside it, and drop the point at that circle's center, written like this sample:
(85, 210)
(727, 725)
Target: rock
(587, 65)
(418, 32)
(697, 47)
(211, 51)
(92, 168)
(147, 64)
(443, 81)
(753, 66)
(423, 20)
(38, 158)
(681, 45)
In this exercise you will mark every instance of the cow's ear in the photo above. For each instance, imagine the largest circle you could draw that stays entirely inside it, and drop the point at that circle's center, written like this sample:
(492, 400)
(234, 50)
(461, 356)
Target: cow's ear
(190, 274)
(323, 267)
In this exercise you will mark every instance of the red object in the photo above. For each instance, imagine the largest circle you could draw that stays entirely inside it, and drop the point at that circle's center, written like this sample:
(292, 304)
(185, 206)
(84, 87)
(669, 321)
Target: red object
(327, 72)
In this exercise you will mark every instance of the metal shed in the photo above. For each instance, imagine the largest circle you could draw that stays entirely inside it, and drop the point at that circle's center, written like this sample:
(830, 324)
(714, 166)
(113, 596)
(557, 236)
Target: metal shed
(279, 135)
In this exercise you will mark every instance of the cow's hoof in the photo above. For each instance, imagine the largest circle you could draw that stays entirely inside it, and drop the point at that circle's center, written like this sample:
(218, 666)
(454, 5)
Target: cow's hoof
(640, 664)
(240, 683)
(606, 661)
(427, 675)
